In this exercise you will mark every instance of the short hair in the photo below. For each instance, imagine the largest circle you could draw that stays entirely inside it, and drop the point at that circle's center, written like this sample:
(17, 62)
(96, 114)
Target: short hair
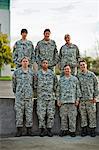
(67, 65)
(24, 31)
(66, 35)
(25, 57)
(47, 30)
(44, 60)
(82, 61)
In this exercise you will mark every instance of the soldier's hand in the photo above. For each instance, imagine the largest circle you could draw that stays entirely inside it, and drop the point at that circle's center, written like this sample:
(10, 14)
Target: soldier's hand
(35, 77)
(58, 103)
(76, 103)
(93, 100)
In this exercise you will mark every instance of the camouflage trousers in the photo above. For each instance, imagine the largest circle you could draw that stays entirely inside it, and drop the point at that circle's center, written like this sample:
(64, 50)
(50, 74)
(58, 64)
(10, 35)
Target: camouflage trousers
(68, 112)
(88, 114)
(24, 107)
(45, 110)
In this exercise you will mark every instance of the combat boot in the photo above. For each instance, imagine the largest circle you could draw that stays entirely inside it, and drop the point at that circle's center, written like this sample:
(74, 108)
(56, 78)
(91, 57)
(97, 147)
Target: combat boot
(29, 131)
(19, 132)
(92, 132)
(49, 133)
(84, 131)
(62, 133)
(43, 132)
(72, 134)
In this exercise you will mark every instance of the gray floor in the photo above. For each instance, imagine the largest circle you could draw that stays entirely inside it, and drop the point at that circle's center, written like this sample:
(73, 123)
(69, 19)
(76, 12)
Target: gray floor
(53, 143)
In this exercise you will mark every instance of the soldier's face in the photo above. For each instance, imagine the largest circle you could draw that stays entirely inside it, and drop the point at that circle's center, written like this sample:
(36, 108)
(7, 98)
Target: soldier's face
(83, 66)
(67, 39)
(24, 35)
(45, 64)
(67, 70)
(47, 35)
(25, 62)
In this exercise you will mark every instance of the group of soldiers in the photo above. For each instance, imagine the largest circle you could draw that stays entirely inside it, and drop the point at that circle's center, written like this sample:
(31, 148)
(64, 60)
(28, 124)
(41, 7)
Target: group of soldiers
(73, 90)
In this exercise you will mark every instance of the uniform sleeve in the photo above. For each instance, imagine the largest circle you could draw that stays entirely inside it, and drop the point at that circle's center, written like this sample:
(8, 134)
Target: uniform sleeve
(55, 83)
(58, 94)
(37, 51)
(95, 86)
(14, 83)
(77, 54)
(35, 80)
(33, 54)
(60, 55)
(15, 54)
(56, 58)
(78, 90)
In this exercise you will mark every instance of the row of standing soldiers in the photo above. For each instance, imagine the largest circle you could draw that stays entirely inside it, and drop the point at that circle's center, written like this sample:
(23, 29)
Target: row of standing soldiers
(71, 91)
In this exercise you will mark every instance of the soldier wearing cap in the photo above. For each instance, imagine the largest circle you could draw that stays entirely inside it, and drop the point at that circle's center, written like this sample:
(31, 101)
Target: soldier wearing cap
(69, 54)
(23, 47)
(22, 83)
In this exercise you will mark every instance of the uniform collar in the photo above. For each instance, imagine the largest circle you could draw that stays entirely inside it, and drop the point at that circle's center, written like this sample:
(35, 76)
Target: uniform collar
(84, 73)
(45, 42)
(23, 41)
(23, 70)
(71, 45)
(45, 72)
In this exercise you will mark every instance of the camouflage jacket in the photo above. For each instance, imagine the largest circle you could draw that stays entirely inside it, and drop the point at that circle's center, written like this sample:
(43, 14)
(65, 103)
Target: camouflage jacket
(68, 90)
(46, 50)
(22, 83)
(88, 84)
(46, 85)
(21, 49)
(68, 55)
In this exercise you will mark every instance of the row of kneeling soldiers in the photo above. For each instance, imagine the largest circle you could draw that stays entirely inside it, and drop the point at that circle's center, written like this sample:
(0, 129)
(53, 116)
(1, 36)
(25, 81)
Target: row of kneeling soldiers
(70, 92)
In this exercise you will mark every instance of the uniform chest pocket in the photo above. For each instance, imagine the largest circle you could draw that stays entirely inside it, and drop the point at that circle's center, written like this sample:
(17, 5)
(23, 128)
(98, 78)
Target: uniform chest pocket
(51, 47)
(74, 85)
(90, 81)
(64, 53)
(42, 51)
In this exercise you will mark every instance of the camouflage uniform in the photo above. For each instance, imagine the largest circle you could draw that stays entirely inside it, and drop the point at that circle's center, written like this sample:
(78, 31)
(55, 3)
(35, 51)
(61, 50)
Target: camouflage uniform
(70, 56)
(46, 87)
(68, 92)
(23, 89)
(89, 90)
(46, 50)
(21, 49)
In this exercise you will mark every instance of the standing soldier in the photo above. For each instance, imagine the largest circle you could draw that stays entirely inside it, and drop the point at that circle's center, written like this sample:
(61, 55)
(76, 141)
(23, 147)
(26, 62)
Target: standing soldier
(23, 90)
(22, 48)
(46, 88)
(69, 54)
(87, 106)
(46, 49)
(68, 95)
